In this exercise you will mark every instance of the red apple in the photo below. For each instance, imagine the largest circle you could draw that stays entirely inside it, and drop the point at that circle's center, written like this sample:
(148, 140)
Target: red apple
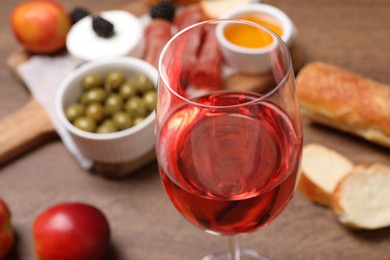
(75, 231)
(41, 26)
(6, 233)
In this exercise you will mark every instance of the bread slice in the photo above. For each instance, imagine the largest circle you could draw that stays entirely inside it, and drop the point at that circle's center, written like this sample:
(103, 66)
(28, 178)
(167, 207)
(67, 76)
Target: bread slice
(216, 8)
(362, 199)
(322, 169)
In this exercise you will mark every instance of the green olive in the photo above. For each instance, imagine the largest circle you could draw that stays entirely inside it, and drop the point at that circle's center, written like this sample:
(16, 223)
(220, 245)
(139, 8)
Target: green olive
(94, 95)
(92, 81)
(150, 99)
(138, 120)
(83, 98)
(128, 89)
(113, 103)
(142, 82)
(136, 107)
(85, 123)
(122, 120)
(114, 80)
(106, 127)
(95, 110)
(73, 111)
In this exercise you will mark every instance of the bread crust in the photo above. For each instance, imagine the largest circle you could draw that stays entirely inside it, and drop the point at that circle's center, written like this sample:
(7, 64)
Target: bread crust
(315, 183)
(177, 2)
(313, 192)
(346, 101)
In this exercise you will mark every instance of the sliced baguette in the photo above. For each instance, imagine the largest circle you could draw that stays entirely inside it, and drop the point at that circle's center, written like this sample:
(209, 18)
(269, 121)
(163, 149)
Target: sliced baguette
(216, 8)
(322, 169)
(362, 199)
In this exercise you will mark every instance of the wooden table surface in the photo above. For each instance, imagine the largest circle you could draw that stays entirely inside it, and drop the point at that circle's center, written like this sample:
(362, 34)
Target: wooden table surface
(351, 34)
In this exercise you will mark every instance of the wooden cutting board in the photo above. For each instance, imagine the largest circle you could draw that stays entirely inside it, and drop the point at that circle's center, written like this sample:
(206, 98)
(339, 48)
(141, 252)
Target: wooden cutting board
(30, 126)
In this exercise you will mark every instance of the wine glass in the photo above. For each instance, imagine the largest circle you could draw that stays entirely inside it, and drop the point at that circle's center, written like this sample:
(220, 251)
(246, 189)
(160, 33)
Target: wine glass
(228, 131)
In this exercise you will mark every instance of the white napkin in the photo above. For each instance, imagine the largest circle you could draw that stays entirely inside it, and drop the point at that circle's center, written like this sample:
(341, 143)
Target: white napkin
(43, 75)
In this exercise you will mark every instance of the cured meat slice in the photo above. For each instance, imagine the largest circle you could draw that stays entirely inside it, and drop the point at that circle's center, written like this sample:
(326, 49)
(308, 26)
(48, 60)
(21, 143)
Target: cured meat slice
(157, 34)
(189, 16)
(207, 72)
(191, 41)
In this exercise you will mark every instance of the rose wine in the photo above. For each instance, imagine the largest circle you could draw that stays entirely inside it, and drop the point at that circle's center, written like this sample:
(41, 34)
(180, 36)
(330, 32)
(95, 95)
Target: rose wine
(229, 170)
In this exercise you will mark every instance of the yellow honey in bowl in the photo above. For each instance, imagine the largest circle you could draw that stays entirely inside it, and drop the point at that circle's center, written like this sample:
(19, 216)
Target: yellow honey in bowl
(250, 37)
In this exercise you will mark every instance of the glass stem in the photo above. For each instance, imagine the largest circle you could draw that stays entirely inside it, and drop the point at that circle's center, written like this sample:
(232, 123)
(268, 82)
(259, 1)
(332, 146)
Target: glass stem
(234, 247)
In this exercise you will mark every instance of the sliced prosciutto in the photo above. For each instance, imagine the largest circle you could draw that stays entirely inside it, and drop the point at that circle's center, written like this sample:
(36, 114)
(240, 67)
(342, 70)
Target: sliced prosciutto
(207, 72)
(191, 41)
(157, 34)
(188, 16)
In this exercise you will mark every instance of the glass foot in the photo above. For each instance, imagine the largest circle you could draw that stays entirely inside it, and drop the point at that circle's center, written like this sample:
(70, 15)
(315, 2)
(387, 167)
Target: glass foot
(244, 254)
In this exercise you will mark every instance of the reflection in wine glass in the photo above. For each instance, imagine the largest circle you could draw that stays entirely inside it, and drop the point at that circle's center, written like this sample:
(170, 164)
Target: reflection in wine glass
(229, 139)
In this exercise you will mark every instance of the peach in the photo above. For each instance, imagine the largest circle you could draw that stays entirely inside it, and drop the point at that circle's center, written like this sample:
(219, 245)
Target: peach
(71, 230)
(6, 232)
(41, 26)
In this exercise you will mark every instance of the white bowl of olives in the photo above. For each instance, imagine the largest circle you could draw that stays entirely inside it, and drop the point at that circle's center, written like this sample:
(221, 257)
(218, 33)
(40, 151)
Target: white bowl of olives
(108, 106)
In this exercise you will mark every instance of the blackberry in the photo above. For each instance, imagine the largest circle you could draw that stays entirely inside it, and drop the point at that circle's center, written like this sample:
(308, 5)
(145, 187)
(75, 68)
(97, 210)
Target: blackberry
(163, 10)
(77, 14)
(102, 27)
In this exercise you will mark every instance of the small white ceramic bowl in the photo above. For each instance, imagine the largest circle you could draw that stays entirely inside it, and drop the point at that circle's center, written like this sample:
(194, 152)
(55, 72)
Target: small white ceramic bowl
(113, 148)
(254, 60)
(274, 13)
(84, 44)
